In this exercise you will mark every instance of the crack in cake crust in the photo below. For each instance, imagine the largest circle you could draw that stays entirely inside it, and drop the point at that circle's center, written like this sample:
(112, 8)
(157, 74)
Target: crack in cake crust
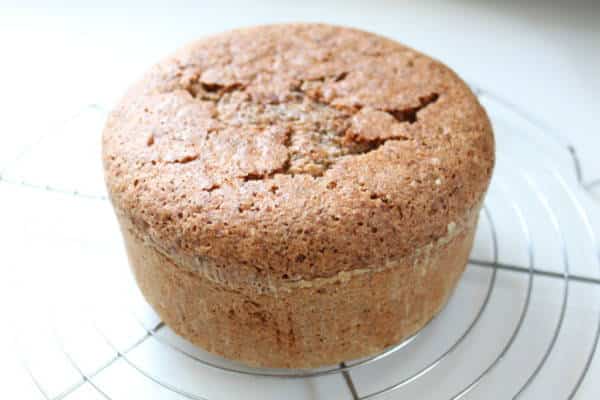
(312, 148)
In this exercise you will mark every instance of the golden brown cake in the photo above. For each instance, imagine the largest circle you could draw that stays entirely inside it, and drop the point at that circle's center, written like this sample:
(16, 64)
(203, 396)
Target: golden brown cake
(297, 195)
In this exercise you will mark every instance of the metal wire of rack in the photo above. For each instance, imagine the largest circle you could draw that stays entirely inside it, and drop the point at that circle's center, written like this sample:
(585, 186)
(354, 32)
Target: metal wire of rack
(531, 270)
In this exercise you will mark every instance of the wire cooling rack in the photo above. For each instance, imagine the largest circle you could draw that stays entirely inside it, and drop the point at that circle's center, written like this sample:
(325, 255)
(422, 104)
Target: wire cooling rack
(523, 323)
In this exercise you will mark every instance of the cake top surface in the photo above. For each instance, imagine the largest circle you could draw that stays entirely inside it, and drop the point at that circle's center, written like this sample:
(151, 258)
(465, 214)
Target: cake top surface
(302, 148)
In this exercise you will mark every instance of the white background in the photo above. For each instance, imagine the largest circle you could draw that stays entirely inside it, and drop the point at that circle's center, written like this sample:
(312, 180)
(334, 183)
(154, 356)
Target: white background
(59, 251)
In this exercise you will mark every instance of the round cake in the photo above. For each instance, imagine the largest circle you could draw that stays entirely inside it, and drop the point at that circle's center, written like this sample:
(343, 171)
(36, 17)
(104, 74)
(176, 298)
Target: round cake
(297, 195)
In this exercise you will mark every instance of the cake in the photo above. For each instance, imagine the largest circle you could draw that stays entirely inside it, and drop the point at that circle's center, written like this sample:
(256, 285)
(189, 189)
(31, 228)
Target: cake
(297, 195)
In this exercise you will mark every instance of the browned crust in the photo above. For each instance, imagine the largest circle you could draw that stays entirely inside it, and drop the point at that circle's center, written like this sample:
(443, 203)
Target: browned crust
(297, 150)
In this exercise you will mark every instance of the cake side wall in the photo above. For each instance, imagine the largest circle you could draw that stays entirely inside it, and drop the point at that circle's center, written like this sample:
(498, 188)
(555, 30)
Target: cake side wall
(307, 325)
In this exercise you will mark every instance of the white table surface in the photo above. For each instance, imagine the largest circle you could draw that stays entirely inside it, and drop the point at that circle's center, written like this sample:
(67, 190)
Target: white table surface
(543, 56)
